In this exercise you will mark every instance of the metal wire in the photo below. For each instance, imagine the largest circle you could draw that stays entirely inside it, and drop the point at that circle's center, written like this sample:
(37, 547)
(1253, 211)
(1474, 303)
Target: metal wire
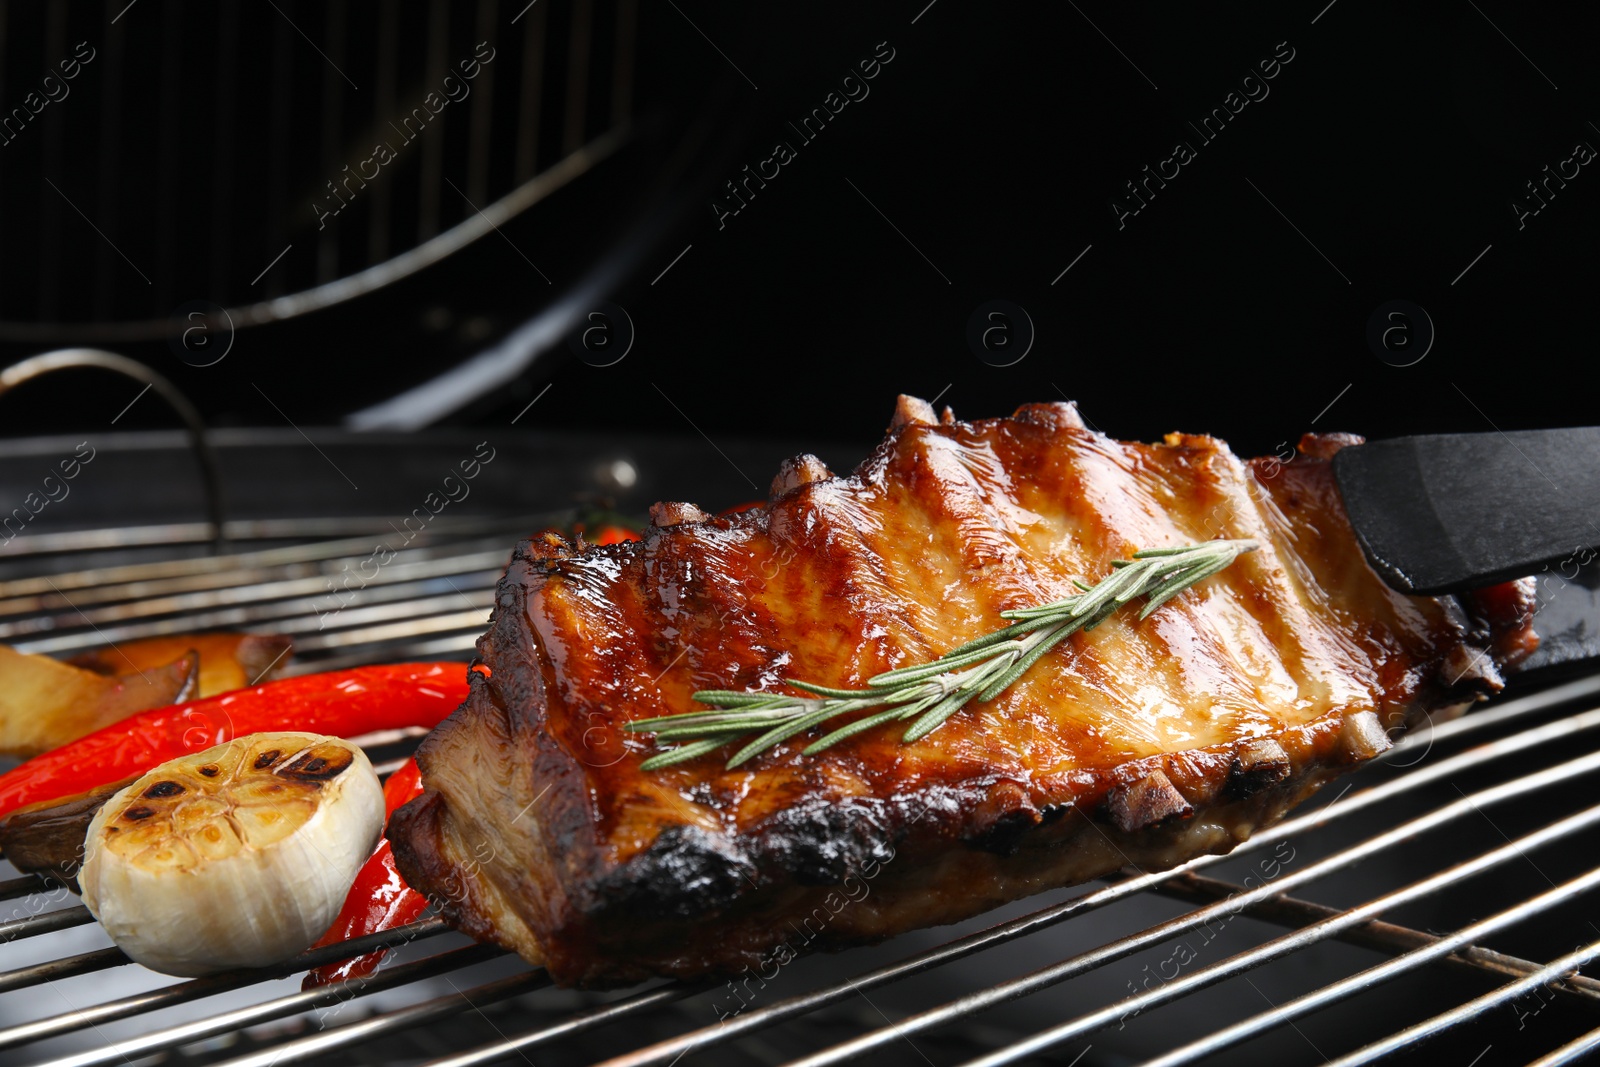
(575, 1024)
(99, 359)
(1456, 1016)
(47, 923)
(17, 887)
(293, 1004)
(1574, 1052)
(1349, 987)
(195, 988)
(416, 1015)
(1294, 913)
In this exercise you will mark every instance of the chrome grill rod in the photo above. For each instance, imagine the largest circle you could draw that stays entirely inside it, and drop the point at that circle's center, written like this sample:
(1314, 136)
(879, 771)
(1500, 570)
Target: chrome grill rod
(66, 967)
(1456, 1016)
(1293, 913)
(1474, 722)
(312, 589)
(305, 1048)
(288, 618)
(1208, 976)
(575, 1024)
(44, 923)
(200, 534)
(437, 535)
(196, 988)
(1357, 983)
(292, 1004)
(475, 620)
(1575, 1052)
(20, 887)
(442, 647)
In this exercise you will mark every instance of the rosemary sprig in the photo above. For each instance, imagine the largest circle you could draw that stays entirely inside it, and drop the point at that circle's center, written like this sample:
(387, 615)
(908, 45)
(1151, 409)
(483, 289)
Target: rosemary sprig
(927, 694)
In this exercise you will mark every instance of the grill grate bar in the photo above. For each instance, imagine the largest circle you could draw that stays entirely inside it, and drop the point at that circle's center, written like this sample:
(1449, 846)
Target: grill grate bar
(1458, 1015)
(293, 1003)
(1575, 1052)
(443, 647)
(44, 923)
(83, 963)
(1478, 721)
(289, 618)
(21, 887)
(1211, 975)
(1294, 913)
(195, 988)
(352, 536)
(665, 1052)
(473, 620)
(226, 592)
(573, 1024)
(1357, 983)
(305, 1048)
(1087, 961)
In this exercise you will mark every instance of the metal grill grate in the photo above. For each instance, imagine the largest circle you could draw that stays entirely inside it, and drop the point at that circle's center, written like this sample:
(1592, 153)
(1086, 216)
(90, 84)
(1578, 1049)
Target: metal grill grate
(1439, 798)
(372, 139)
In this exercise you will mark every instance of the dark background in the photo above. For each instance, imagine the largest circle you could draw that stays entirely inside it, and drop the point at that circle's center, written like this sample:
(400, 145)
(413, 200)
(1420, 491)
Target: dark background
(983, 163)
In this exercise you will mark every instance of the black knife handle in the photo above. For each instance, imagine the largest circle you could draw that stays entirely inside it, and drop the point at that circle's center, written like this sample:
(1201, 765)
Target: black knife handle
(1448, 512)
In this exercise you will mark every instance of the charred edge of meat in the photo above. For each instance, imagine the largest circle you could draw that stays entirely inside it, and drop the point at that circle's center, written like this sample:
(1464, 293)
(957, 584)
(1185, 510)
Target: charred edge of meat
(1068, 849)
(693, 872)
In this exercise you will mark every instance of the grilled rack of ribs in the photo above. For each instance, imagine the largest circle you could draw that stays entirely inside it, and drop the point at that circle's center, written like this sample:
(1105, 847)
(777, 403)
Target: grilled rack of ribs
(1140, 743)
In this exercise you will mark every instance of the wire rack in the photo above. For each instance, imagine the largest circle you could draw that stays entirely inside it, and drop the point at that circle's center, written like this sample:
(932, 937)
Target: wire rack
(231, 127)
(1480, 827)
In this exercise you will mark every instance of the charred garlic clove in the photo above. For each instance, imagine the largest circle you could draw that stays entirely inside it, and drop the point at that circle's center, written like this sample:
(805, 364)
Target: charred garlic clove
(238, 856)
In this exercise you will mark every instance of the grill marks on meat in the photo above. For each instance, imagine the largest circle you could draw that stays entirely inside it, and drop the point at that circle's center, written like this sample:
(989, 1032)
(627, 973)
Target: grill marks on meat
(1142, 742)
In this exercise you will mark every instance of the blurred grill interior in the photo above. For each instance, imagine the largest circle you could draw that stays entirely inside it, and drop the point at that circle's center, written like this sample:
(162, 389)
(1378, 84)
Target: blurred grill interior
(249, 133)
(408, 201)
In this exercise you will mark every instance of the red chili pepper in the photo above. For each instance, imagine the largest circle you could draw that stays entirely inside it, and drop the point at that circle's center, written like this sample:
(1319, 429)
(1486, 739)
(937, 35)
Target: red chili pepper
(403, 785)
(344, 703)
(379, 899)
(748, 505)
(614, 535)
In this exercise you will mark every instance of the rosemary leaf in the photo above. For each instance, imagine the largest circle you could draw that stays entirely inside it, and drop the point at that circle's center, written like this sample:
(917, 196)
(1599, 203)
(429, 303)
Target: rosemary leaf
(930, 693)
(822, 690)
(935, 716)
(729, 698)
(1018, 669)
(681, 754)
(942, 665)
(788, 730)
(859, 726)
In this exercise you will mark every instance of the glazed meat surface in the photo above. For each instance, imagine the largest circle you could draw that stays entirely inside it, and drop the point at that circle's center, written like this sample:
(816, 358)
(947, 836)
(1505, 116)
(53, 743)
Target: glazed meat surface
(1141, 742)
